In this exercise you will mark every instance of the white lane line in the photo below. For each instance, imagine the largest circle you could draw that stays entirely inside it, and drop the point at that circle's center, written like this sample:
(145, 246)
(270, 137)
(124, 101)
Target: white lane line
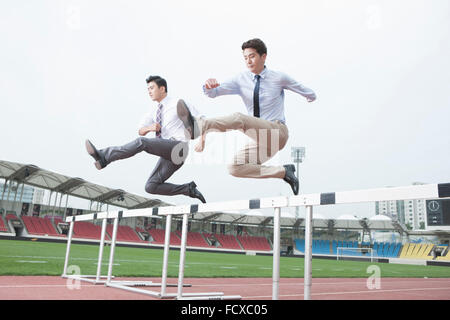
(349, 292)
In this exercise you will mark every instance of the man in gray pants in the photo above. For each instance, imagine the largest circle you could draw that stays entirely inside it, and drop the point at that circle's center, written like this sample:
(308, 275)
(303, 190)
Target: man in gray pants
(170, 144)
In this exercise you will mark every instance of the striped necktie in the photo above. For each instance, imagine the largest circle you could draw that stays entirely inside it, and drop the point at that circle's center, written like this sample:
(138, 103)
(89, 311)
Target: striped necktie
(159, 119)
(256, 97)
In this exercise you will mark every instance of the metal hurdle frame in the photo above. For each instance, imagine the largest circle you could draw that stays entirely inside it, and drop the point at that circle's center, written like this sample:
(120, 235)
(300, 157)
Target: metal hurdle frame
(96, 279)
(127, 285)
(130, 285)
(427, 191)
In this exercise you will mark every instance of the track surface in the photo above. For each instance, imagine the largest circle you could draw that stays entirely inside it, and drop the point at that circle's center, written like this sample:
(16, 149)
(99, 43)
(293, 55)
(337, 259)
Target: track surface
(57, 288)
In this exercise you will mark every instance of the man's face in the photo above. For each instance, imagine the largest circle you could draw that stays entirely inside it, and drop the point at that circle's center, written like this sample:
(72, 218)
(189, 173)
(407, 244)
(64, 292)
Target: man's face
(254, 62)
(155, 93)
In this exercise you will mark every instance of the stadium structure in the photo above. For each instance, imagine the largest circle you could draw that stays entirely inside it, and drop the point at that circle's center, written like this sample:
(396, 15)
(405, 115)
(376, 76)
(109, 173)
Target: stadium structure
(250, 233)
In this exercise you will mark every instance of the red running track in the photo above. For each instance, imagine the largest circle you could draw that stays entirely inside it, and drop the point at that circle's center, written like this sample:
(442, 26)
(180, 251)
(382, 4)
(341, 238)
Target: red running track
(57, 288)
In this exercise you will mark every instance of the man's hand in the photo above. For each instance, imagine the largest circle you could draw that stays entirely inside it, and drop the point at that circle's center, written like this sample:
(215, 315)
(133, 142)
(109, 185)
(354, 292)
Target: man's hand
(155, 127)
(211, 84)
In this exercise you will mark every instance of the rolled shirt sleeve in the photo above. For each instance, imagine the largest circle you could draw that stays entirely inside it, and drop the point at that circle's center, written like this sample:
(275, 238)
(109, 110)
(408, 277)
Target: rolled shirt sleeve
(146, 120)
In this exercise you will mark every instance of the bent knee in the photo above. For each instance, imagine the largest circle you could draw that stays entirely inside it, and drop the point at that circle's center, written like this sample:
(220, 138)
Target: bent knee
(139, 143)
(151, 187)
(234, 169)
(239, 116)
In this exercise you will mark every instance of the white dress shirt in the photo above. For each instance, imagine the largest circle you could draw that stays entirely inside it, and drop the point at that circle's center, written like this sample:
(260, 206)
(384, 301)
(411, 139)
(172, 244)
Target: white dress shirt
(271, 92)
(172, 126)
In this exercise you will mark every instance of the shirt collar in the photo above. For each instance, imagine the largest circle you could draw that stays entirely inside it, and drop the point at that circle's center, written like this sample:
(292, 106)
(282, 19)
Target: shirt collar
(262, 74)
(165, 100)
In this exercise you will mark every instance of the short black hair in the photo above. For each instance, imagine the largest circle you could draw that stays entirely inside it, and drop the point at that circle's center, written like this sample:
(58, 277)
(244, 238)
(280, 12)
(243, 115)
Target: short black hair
(160, 82)
(256, 44)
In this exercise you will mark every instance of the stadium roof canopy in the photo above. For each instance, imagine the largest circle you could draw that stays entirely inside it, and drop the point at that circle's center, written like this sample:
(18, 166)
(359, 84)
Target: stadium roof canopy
(290, 220)
(76, 187)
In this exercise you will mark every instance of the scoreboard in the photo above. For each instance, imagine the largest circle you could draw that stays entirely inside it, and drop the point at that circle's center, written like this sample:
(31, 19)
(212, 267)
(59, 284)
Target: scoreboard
(438, 212)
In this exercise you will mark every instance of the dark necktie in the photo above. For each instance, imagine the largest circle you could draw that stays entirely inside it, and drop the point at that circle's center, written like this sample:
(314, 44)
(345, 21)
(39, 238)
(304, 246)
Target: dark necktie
(256, 97)
(159, 119)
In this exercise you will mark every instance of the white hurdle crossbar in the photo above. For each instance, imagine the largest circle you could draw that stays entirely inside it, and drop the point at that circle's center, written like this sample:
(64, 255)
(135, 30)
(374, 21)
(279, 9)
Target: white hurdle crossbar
(427, 191)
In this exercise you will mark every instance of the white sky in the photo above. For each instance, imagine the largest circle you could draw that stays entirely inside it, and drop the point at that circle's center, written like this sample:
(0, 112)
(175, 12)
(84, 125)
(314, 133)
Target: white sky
(72, 70)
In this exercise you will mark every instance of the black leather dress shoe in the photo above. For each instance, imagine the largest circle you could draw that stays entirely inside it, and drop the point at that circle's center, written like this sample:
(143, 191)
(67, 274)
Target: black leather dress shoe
(194, 193)
(189, 122)
(291, 178)
(100, 161)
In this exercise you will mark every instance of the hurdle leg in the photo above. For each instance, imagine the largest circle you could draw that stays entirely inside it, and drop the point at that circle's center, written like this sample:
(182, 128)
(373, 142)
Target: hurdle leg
(276, 254)
(69, 242)
(113, 246)
(166, 255)
(308, 253)
(100, 253)
(182, 255)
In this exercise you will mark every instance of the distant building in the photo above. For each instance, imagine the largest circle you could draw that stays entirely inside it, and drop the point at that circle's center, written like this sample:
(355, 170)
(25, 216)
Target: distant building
(38, 196)
(409, 212)
(28, 194)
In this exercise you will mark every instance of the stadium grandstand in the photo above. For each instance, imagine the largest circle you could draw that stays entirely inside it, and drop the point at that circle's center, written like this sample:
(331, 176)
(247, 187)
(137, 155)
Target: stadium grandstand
(347, 236)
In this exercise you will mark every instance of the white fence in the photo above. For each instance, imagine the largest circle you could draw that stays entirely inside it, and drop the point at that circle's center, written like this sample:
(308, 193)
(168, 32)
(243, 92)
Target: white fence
(428, 191)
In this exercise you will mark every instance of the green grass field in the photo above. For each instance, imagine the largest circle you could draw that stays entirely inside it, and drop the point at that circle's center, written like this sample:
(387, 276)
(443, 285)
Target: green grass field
(47, 258)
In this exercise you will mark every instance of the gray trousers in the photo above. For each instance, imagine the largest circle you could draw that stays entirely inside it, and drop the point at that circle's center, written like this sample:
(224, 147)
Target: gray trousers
(172, 154)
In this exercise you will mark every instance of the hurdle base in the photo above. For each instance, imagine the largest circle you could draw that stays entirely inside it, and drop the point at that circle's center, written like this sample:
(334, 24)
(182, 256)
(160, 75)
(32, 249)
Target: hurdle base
(129, 286)
(144, 283)
(132, 289)
(86, 278)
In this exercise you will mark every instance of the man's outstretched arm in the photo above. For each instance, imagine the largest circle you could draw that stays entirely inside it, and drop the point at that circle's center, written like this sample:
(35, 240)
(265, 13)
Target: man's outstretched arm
(291, 84)
(212, 88)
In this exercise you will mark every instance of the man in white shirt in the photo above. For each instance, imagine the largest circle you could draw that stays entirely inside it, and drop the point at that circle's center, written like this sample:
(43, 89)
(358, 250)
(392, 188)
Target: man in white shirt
(262, 91)
(169, 144)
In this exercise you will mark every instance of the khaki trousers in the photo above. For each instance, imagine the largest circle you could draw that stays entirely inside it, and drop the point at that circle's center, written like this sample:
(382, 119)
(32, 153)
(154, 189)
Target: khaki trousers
(267, 138)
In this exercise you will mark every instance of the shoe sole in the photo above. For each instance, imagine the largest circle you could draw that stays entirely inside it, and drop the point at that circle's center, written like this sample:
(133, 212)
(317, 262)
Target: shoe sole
(297, 187)
(91, 150)
(98, 165)
(185, 116)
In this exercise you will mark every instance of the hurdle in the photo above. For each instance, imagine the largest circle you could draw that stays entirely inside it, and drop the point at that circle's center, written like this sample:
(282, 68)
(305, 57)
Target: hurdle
(426, 191)
(96, 279)
(131, 285)
(107, 279)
